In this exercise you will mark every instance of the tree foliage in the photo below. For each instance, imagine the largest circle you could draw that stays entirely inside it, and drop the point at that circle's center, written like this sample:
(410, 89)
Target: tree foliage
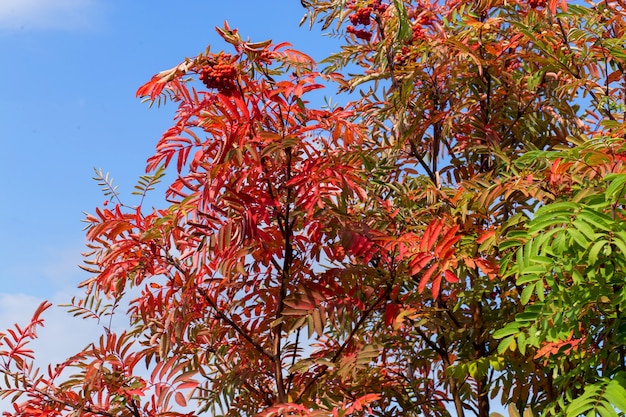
(450, 236)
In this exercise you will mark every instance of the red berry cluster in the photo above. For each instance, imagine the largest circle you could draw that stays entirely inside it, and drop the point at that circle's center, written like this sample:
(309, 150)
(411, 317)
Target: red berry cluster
(220, 75)
(378, 6)
(402, 56)
(362, 16)
(418, 33)
(359, 33)
(424, 20)
(537, 3)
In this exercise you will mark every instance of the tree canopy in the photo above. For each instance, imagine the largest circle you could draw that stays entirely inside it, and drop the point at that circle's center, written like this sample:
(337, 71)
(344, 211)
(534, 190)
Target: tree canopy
(445, 233)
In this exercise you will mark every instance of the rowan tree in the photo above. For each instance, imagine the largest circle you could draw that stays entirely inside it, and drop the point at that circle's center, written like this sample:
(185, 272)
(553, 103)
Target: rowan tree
(450, 236)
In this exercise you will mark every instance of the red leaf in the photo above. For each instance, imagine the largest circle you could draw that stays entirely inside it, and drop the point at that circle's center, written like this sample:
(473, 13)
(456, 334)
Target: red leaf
(447, 241)
(426, 277)
(391, 311)
(180, 399)
(485, 235)
(436, 286)
(152, 88)
(431, 235)
(450, 276)
(419, 262)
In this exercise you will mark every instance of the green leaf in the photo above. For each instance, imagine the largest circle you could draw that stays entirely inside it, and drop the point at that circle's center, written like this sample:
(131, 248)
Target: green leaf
(616, 392)
(404, 26)
(596, 219)
(562, 208)
(585, 229)
(582, 404)
(532, 270)
(507, 343)
(541, 223)
(600, 398)
(509, 329)
(148, 182)
(616, 188)
(578, 237)
(526, 294)
(509, 243)
(539, 290)
(620, 243)
(595, 251)
(527, 316)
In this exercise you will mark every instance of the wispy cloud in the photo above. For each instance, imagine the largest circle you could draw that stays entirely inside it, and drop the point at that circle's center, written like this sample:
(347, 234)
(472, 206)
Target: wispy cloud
(49, 14)
(55, 279)
(62, 334)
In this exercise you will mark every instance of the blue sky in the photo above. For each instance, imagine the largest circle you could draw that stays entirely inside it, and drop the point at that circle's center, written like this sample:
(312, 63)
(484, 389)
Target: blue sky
(68, 82)
(70, 69)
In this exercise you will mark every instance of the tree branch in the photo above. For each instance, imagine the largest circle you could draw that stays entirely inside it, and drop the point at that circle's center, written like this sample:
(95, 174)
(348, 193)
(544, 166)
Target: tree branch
(343, 346)
(235, 326)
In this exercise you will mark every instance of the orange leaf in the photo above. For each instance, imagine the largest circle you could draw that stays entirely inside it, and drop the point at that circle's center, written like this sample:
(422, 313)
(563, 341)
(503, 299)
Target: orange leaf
(485, 235)
(486, 267)
(552, 4)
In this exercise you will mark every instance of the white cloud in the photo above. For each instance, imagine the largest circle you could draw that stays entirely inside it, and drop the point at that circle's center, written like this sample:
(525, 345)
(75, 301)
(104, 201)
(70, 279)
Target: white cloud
(49, 14)
(62, 334)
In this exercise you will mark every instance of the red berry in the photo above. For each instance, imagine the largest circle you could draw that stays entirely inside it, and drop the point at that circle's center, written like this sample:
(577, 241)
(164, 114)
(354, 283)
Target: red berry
(220, 75)
(359, 33)
(361, 17)
(537, 3)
